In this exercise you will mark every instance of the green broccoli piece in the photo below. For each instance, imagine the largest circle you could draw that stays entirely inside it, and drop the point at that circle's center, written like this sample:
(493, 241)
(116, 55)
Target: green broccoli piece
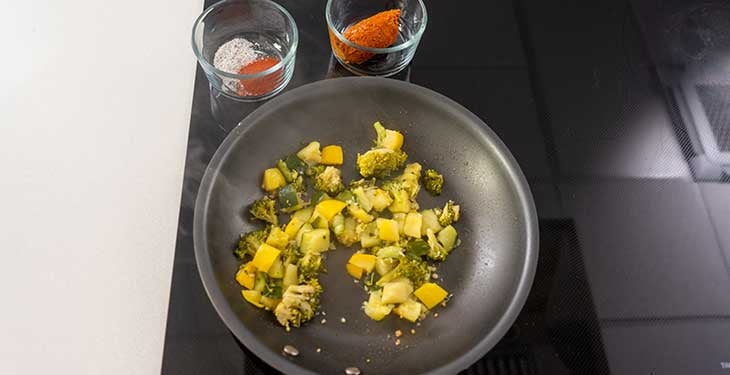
(380, 132)
(250, 242)
(433, 181)
(314, 170)
(291, 254)
(310, 265)
(449, 214)
(264, 209)
(414, 269)
(272, 288)
(329, 181)
(380, 162)
(298, 303)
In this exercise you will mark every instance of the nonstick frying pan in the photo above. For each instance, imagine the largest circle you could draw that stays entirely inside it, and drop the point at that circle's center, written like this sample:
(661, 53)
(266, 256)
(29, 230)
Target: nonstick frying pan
(490, 273)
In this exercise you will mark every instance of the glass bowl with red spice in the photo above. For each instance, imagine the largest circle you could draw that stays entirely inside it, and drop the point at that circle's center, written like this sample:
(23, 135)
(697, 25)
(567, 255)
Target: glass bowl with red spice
(246, 48)
(375, 37)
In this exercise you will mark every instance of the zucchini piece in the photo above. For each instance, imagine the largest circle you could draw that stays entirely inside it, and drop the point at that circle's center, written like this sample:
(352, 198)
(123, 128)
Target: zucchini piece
(409, 310)
(375, 308)
(304, 215)
(290, 276)
(316, 241)
(430, 221)
(362, 199)
(369, 236)
(289, 199)
(448, 237)
(384, 265)
(294, 163)
(304, 229)
(397, 291)
(310, 154)
(276, 271)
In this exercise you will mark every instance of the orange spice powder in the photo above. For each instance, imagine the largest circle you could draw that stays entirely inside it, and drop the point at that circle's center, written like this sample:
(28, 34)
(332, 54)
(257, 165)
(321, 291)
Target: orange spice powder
(261, 85)
(377, 31)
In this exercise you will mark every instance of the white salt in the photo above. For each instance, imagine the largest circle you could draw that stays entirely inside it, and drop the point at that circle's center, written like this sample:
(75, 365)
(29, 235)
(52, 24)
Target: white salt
(234, 54)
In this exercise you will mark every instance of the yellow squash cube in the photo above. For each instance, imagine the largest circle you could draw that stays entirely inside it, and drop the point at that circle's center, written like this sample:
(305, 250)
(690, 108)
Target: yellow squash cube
(277, 238)
(332, 155)
(364, 261)
(387, 229)
(293, 227)
(359, 214)
(265, 256)
(252, 296)
(413, 223)
(273, 179)
(354, 270)
(329, 208)
(245, 279)
(430, 294)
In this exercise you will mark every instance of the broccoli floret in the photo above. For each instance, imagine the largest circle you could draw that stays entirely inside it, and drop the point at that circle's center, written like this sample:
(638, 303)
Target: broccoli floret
(329, 181)
(265, 209)
(310, 265)
(433, 181)
(298, 304)
(381, 132)
(314, 170)
(436, 251)
(250, 242)
(414, 269)
(380, 162)
(272, 287)
(449, 214)
(387, 138)
(291, 254)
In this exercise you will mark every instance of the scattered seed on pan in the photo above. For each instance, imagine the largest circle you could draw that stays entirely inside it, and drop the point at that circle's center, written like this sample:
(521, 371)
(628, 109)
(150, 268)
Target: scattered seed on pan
(367, 360)
(434, 276)
(418, 324)
(413, 331)
(356, 281)
(343, 320)
(436, 315)
(397, 342)
(319, 350)
(323, 321)
(324, 313)
(352, 371)
(290, 350)
(398, 333)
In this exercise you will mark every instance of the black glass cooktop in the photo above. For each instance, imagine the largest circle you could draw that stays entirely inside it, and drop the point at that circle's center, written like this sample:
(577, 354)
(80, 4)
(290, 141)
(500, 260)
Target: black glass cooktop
(619, 115)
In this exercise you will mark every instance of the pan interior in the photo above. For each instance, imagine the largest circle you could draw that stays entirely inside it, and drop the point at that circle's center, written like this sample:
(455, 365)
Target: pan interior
(483, 273)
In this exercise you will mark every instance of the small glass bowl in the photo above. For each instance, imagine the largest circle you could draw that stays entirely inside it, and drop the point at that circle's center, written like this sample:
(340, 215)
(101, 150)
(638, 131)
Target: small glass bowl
(264, 23)
(341, 14)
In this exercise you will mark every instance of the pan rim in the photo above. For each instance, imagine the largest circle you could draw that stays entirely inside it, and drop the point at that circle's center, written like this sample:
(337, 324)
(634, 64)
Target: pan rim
(275, 359)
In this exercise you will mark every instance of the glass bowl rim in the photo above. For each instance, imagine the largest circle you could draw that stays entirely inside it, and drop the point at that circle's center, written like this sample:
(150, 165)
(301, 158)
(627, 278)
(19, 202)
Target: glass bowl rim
(285, 60)
(408, 43)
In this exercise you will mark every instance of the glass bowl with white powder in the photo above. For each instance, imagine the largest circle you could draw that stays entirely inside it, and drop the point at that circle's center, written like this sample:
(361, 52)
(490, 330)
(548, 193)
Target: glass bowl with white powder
(246, 48)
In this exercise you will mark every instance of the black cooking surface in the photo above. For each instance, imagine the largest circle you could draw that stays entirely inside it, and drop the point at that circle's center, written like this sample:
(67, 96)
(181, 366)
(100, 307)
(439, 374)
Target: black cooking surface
(633, 275)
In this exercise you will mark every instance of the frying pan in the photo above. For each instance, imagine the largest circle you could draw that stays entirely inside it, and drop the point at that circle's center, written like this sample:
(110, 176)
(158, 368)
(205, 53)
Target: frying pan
(490, 273)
